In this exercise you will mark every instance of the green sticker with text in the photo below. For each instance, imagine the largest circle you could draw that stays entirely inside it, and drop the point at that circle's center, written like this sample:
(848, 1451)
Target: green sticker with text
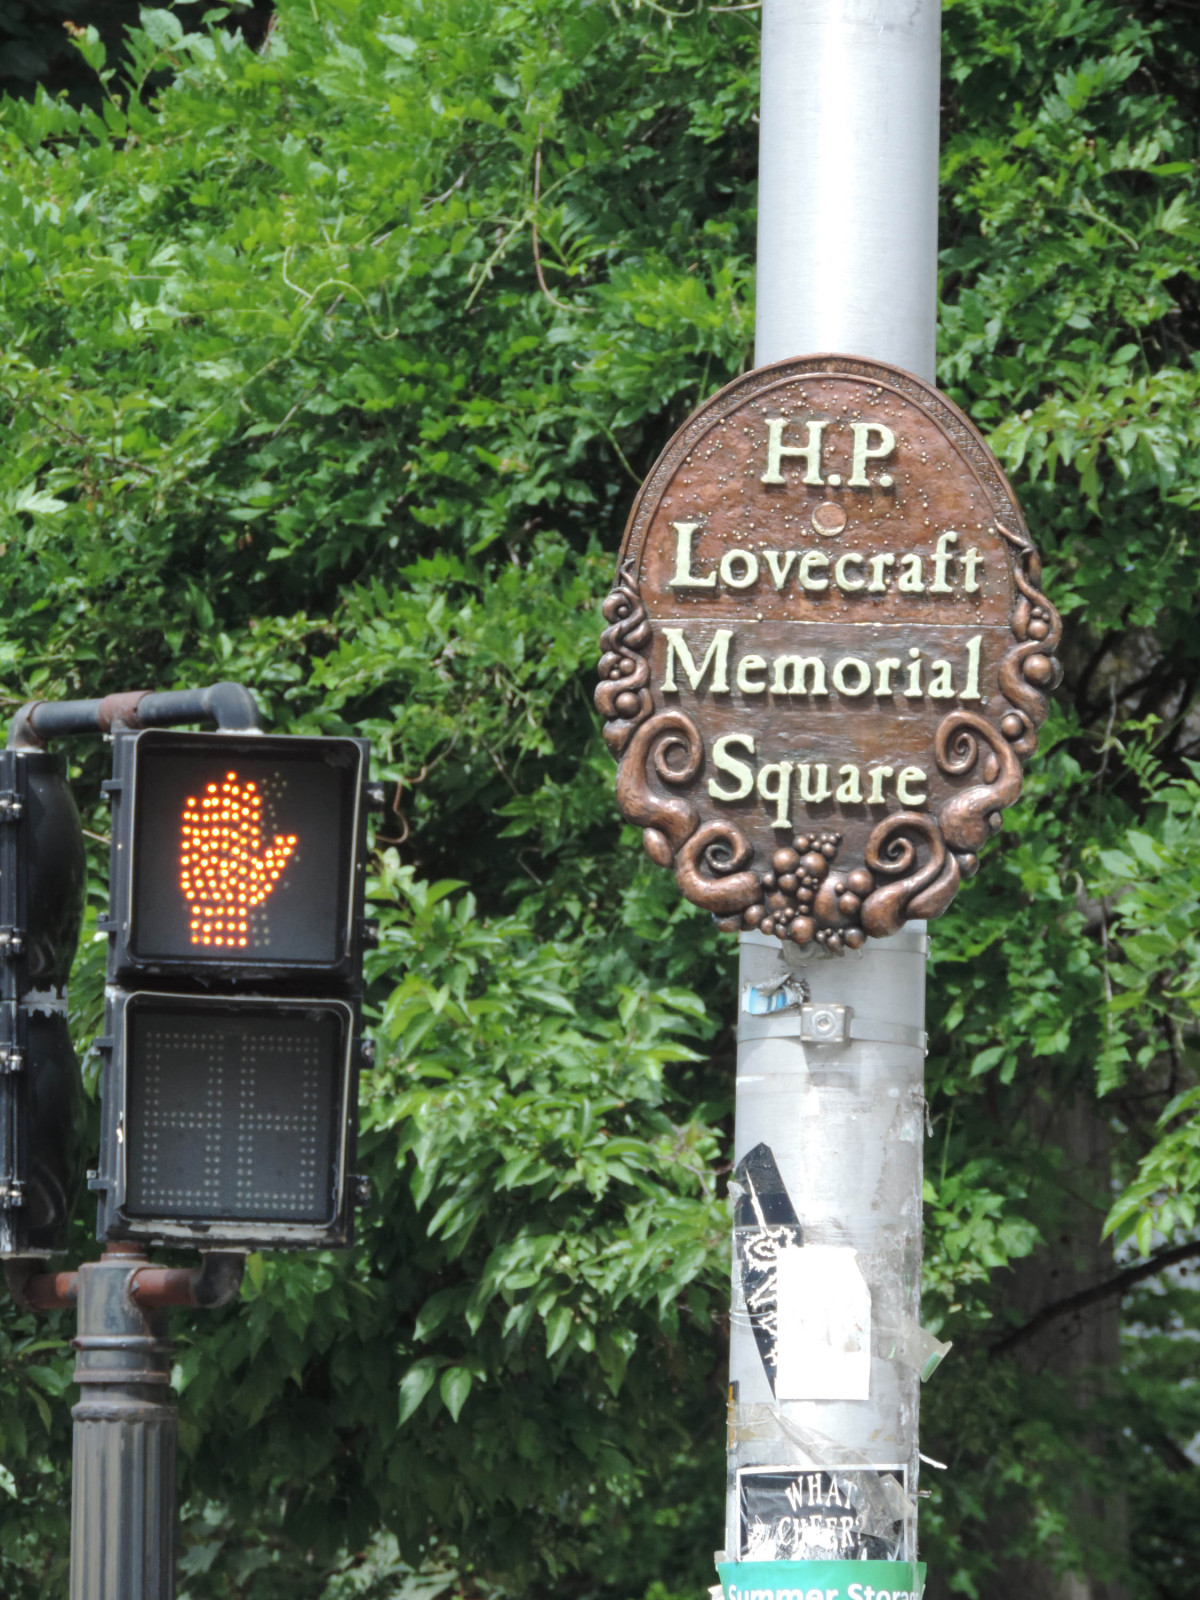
(822, 1580)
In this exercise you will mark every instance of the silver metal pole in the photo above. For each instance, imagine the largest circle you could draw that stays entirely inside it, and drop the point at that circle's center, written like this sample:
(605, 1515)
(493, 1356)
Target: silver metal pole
(847, 182)
(847, 263)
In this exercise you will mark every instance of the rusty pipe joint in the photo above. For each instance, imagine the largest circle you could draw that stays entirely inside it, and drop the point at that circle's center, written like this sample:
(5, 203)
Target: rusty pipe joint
(40, 1291)
(214, 1283)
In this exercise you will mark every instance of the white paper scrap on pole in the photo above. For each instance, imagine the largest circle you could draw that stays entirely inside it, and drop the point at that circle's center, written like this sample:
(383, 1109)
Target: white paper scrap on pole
(824, 1323)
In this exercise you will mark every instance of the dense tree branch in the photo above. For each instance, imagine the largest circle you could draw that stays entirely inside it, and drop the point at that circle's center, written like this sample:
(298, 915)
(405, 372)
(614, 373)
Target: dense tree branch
(1117, 1285)
(1083, 687)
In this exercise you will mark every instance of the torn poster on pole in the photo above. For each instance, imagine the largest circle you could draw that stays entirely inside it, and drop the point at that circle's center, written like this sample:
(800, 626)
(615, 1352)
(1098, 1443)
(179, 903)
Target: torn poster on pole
(797, 1514)
(824, 1317)
(809, 1305)
(765, 1225)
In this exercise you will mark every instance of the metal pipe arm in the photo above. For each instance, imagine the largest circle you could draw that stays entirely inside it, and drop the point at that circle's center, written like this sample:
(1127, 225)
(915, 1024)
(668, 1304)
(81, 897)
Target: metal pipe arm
(40, 1291)
(230, 705)
(215, 1282)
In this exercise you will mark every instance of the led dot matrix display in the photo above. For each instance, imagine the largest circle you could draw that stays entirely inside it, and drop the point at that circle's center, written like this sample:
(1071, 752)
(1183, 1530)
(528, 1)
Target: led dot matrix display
(225, 873)
(243, 854)
(233, 1109)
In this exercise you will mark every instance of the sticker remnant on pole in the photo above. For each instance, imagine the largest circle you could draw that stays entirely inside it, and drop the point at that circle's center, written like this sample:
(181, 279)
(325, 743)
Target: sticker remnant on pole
(828, 652)
(830, 1514)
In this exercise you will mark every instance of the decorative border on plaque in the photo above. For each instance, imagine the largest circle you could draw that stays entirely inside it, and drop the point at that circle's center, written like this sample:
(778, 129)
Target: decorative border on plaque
(913, 861)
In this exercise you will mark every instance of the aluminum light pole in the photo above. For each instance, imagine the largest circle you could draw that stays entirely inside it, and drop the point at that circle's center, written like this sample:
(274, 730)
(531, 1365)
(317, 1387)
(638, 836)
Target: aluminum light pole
(847, 262)
(826, 659)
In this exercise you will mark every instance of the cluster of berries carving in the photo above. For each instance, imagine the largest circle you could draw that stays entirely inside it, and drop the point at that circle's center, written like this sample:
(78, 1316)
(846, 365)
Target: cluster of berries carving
(805, 897)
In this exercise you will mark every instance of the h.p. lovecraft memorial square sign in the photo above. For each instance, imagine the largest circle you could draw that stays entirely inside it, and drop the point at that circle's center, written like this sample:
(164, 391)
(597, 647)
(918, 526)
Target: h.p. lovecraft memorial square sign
(828, 653)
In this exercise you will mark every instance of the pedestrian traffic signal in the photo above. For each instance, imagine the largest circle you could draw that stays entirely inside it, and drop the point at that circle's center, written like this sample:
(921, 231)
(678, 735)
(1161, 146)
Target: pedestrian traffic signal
(236, 853)
(42, 874)
(232, 1035)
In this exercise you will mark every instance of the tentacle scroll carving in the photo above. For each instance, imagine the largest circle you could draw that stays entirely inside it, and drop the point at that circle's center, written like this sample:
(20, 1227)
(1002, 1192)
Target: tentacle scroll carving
(965, 743)
(708, 869)
(667, 752)
(669, 748)
(1028, 671)
(623, 697)
(918, 888)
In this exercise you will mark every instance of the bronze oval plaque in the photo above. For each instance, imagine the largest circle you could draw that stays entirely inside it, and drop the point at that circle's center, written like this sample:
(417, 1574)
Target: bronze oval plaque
(827, 653)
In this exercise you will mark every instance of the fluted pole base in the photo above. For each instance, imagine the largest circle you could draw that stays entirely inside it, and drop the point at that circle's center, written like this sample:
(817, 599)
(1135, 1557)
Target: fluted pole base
(123, 1485)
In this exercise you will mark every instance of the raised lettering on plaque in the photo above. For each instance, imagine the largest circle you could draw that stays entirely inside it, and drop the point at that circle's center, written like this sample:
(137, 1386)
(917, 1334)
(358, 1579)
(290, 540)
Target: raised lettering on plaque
(828, 653)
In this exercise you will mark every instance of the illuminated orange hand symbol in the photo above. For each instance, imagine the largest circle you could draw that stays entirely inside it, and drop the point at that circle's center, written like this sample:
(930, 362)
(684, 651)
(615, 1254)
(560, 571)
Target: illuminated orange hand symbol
(223, 870)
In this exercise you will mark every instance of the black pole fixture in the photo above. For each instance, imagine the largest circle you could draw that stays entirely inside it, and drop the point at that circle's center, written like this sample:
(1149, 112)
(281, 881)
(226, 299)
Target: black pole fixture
(230, 1056)
(42, 871)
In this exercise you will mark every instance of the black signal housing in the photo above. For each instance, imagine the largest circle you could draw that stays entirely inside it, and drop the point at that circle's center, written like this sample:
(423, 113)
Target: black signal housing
(232, 1038)
(43, 870)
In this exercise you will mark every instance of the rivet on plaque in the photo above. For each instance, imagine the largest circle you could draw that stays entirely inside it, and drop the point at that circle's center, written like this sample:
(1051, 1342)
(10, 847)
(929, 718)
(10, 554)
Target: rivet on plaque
(828, 518)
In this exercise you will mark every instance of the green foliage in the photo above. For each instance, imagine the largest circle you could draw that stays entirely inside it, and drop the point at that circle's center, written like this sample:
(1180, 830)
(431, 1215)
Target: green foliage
(293, 408)
(330, 363)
